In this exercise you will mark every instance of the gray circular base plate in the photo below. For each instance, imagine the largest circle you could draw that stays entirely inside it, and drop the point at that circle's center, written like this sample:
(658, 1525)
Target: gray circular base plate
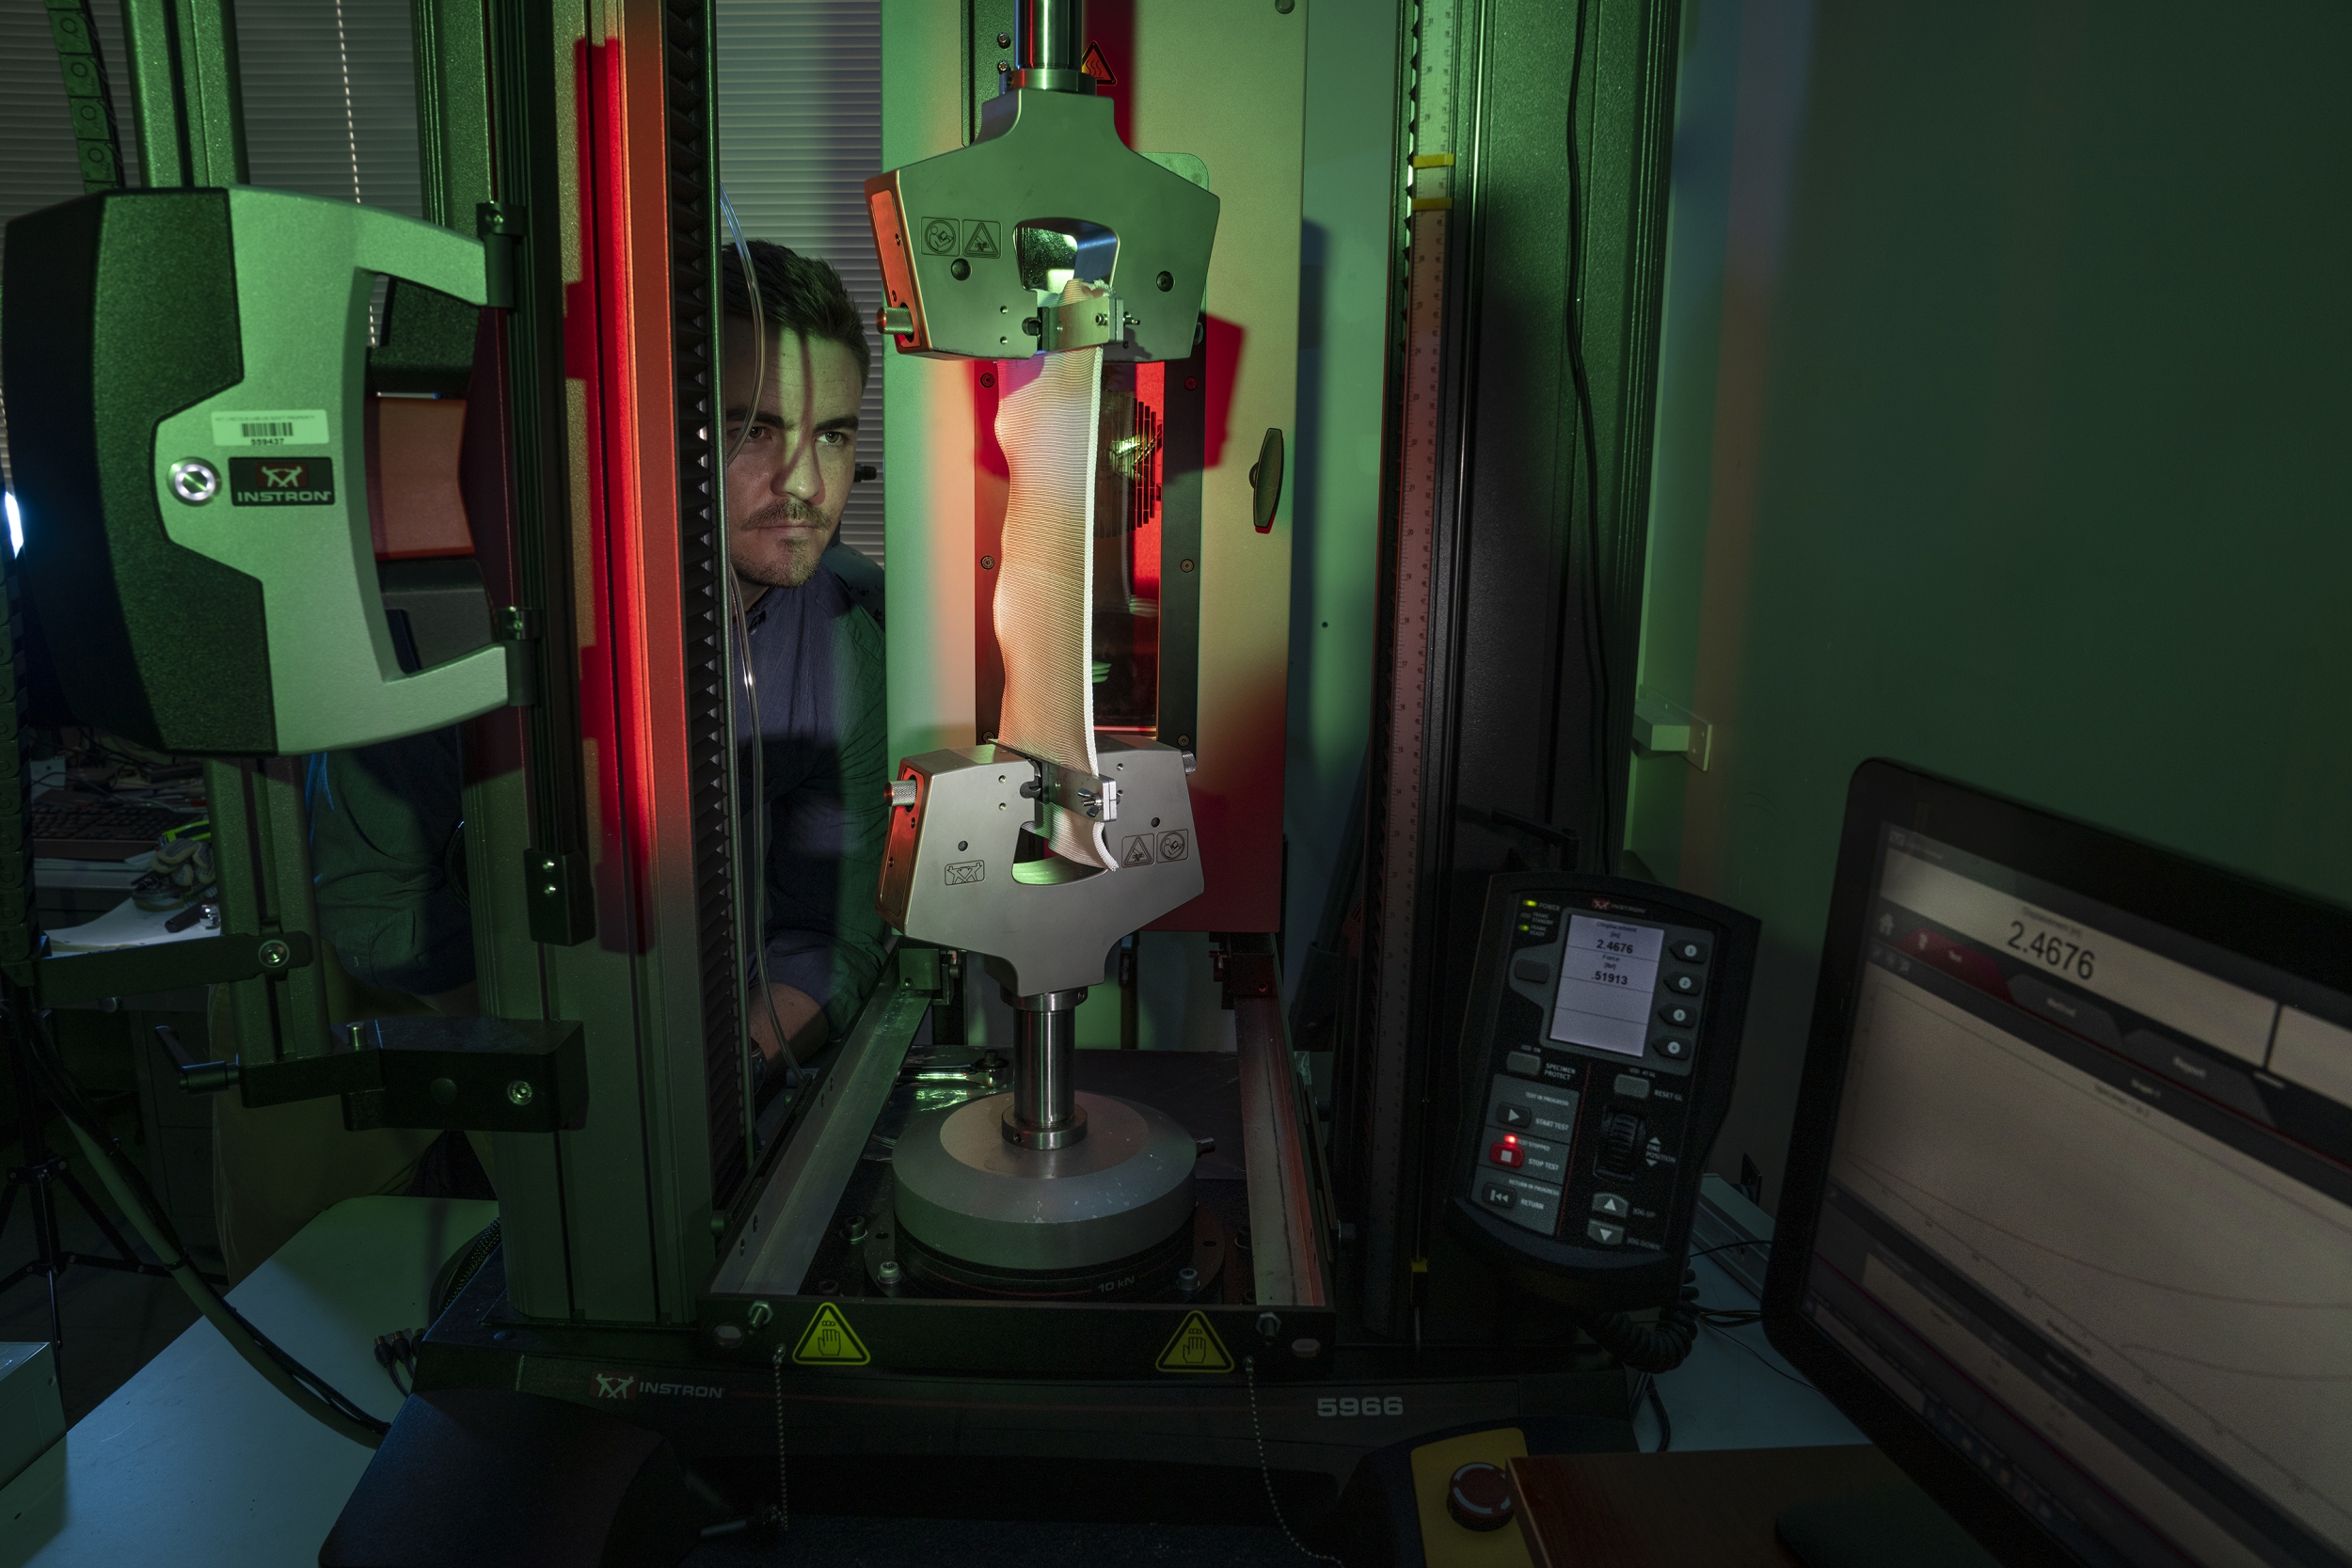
(964, 1191)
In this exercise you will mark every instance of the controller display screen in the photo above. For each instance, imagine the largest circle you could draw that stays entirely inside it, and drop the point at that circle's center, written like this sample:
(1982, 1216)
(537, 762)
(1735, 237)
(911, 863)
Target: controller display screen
(1608, 982)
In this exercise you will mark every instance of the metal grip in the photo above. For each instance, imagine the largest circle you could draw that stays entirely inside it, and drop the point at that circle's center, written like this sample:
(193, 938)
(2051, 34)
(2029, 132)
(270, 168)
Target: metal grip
(1044, 1113)
(1049, 35)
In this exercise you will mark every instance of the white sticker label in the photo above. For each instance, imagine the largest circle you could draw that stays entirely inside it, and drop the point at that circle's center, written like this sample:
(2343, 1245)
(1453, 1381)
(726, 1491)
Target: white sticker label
(270, 427)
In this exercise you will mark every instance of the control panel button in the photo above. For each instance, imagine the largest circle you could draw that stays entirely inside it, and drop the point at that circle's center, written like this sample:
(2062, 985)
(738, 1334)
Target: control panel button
(1632, 1087)
(1684, 985)
(1528, 1204)
(1605, 1233)
(1537, 1157)
(1525, 1063)
(1513, 1117)
(1533, 971)
(1689, 950)
(1550, 1111)
(1615, 1205)
(1679, 1015)
(1669, 1046)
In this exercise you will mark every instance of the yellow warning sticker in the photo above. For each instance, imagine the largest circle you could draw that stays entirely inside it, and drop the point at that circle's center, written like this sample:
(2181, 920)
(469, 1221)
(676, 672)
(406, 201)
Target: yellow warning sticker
(829, 1341)
(1196, 1347)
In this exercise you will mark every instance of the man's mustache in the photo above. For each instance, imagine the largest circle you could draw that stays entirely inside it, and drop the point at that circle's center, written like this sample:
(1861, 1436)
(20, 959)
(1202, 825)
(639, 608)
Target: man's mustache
(791, 512)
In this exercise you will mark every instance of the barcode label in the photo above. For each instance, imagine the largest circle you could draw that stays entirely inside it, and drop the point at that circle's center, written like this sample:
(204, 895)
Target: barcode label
(269, 427)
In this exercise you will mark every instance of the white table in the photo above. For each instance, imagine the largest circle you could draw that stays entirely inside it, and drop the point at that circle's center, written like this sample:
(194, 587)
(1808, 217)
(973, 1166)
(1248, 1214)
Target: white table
(197, 1461)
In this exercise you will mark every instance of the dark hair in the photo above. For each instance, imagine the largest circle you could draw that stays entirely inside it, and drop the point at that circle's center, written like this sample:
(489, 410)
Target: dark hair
(799, 295)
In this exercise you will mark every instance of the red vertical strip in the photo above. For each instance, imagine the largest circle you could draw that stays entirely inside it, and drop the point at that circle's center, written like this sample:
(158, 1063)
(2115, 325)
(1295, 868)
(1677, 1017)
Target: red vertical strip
(612, 676)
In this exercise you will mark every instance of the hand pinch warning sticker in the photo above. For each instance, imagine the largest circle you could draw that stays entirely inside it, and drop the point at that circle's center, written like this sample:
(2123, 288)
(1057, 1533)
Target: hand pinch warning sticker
(1195, 1347)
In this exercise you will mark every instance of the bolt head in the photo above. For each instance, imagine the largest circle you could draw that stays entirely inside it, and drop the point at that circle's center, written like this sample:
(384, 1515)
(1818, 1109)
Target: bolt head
(274, 955)
(1268, 1326)
(520, 1092)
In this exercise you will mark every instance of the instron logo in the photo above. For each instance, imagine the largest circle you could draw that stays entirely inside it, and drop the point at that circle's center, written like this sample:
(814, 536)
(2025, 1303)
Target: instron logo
(281, 481)
(622, 1386)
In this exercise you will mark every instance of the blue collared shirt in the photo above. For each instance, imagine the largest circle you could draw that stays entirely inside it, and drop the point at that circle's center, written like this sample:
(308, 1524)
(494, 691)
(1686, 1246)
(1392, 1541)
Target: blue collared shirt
(816, 657)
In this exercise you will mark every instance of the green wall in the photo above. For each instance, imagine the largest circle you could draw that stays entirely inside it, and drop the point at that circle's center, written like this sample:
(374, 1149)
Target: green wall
(2004, 430)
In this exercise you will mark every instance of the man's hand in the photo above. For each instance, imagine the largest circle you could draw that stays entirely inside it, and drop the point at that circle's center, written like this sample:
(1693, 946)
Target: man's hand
(802, 1020)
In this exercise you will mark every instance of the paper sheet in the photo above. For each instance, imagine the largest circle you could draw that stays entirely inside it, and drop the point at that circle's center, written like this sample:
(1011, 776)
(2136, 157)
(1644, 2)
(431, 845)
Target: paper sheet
(1048, 423)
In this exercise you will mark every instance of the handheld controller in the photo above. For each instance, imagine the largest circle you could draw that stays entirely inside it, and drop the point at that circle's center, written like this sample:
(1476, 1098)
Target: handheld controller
(1597, 1055)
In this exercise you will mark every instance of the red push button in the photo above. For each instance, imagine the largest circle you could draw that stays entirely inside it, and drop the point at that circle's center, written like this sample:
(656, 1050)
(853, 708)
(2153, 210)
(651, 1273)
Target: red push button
(1507, 1154)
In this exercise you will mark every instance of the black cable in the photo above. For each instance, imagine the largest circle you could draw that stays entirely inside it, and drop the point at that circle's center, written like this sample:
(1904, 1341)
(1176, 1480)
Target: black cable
(1760, 1358)
(1665, 1423)
(1766, 1247)
(31, 1031)
(1572, 328)
(1653, 1348)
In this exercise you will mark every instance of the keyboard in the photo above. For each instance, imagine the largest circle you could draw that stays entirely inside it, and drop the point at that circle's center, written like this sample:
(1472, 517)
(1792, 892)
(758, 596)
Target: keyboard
(101, 831)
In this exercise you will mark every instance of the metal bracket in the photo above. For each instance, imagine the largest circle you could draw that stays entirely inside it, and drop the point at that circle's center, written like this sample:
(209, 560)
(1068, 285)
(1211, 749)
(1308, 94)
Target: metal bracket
(1077, 323)
(476, 1075)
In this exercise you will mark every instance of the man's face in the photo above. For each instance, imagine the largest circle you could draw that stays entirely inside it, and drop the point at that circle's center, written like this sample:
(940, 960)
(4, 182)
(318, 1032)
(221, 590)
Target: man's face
(786, 486)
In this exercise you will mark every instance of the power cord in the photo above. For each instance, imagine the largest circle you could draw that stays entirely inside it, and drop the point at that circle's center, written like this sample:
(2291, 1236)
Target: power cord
(128, 1186)
(1652, 1348)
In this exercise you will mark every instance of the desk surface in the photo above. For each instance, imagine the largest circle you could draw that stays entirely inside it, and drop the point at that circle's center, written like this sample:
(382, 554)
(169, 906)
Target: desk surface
(197, 1461)
(1668, 1510)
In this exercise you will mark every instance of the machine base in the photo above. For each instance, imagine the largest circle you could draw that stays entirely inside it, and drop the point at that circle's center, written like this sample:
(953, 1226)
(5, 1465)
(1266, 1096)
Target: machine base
(1117, 1198)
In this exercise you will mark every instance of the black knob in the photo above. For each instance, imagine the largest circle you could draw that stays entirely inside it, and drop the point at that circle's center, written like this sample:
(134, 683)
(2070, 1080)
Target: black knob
(1479, 1497)
(1621, 1133)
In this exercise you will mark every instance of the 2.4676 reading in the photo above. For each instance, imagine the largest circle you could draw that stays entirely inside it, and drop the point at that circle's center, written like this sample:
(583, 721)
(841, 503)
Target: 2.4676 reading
(2054, 950)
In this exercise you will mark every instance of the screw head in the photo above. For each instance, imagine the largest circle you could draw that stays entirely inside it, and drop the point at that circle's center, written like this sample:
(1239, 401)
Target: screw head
(1003, 41)
(444, 1091)
(195, 481)
(887, 1271)
(1268, 1326)
(520, 1092)
(274, 956)
(958, 269)
(1167, 280)
(759, 1314)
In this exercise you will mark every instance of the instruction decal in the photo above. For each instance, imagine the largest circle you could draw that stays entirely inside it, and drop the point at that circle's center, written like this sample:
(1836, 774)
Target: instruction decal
(1195, 1347)
(1138, 851)
(830, 1341)
(961, 872)
(978, 237)
(1175, 846)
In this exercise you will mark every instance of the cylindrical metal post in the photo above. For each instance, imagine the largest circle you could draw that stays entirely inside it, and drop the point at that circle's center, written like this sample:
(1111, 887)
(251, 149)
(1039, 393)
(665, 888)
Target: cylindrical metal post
(1049, 43)
(1044, 1113)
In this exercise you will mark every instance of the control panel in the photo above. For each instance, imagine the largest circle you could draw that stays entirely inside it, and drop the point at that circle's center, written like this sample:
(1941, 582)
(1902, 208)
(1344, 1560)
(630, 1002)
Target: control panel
(1597, 1055)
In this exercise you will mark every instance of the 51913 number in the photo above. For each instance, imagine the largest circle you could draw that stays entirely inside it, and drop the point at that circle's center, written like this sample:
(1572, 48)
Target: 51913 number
(2054, 950)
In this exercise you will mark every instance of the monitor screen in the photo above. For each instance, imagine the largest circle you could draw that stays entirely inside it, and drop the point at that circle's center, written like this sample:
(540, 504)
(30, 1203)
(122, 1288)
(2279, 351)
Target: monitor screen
(2085, 1206)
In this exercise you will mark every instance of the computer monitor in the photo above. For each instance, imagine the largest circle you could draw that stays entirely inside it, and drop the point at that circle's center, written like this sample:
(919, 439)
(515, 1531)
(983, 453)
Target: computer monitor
(2067, 1222)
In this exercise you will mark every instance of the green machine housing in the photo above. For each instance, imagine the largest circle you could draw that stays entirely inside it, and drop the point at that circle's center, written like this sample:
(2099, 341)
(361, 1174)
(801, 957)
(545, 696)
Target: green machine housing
(184, 374)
